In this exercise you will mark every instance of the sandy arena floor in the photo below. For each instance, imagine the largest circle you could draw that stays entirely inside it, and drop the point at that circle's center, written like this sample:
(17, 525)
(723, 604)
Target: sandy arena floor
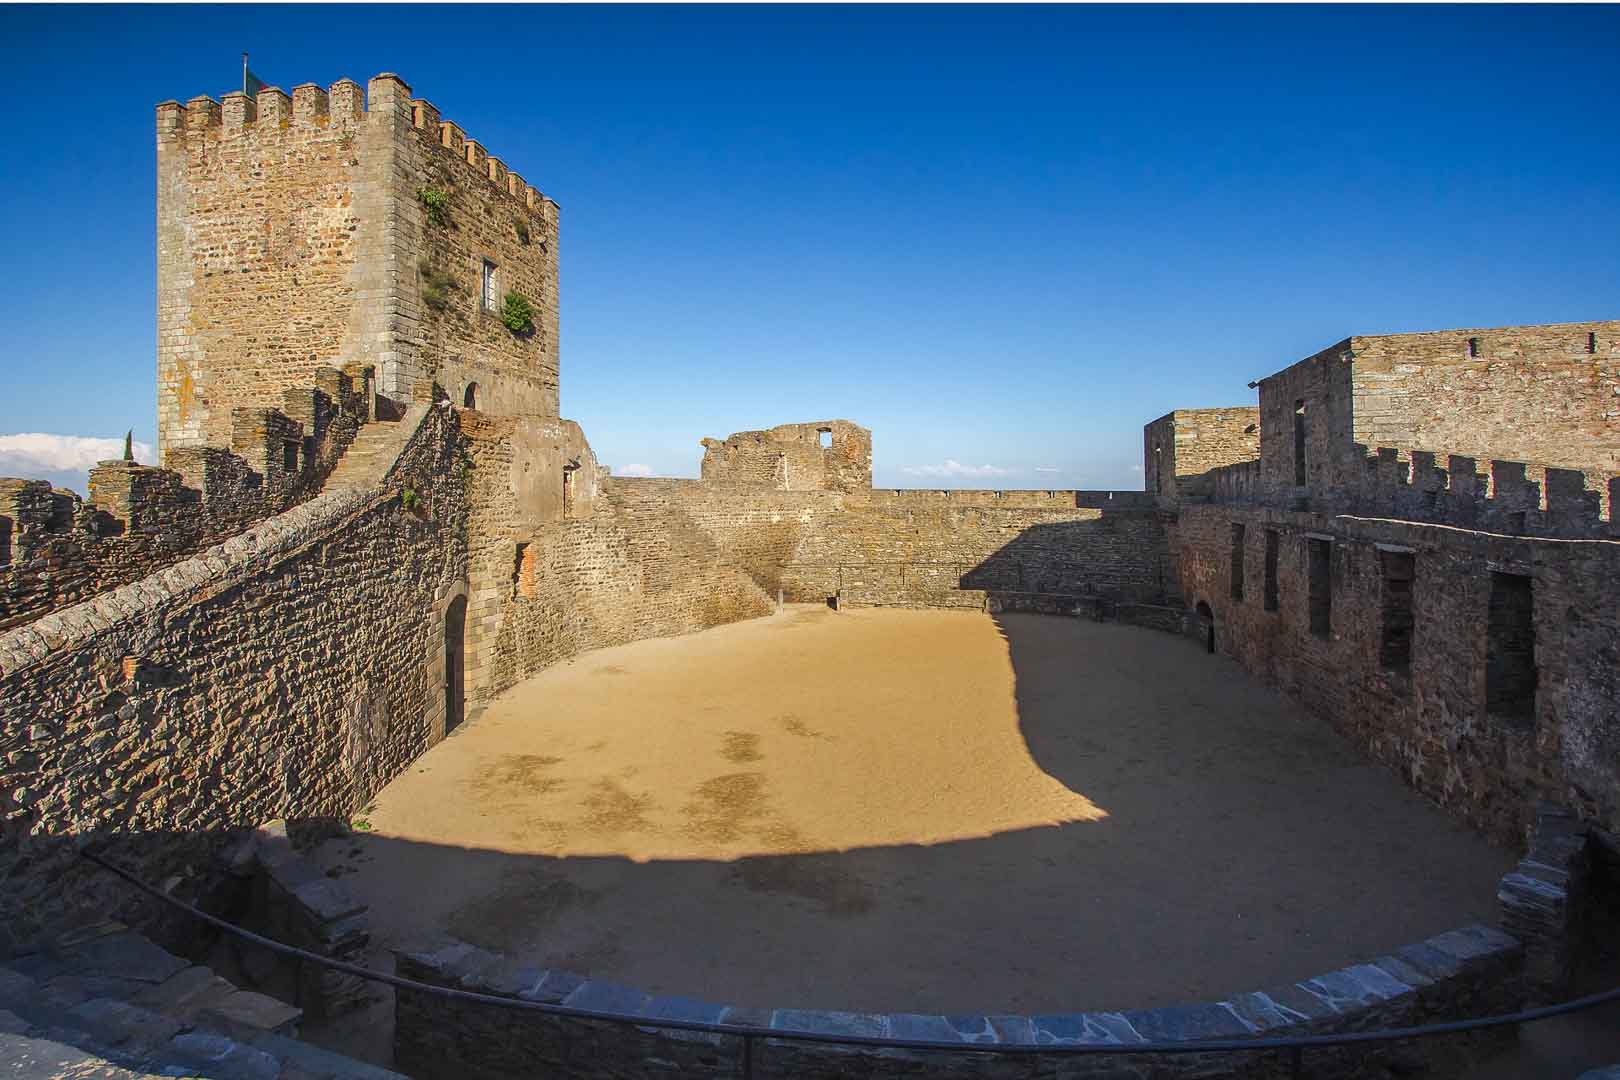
(921, 811)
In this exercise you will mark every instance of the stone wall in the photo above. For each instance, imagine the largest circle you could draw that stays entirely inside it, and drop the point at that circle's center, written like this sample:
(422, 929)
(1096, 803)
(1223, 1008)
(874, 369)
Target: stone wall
(644, 558)
(1307, 427)
(262, 244)
(824, 455)
(1181, 448)
(138, 519)
(1526, 393)
(495, 215)
(1391, 631)
(1449, 489)
(921, 548)
(1473, 971)
(638, 566)
(291, 671)
(292, 236)
(1522, 393)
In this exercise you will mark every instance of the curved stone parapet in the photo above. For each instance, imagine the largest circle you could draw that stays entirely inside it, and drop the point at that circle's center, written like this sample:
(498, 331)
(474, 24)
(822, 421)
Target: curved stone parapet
(1469, 972)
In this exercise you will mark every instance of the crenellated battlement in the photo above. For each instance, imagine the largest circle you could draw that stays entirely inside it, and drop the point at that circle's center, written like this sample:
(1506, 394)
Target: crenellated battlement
(271, 109)
(445, 135)
(344, 104)
(1497, 495)
(57, 549)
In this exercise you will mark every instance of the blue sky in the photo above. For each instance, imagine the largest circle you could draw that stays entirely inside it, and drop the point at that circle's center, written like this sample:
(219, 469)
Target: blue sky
(1000, 237)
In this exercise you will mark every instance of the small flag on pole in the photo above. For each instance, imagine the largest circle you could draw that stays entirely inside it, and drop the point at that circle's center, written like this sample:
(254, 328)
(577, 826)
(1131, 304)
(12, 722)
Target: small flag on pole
(251, 83)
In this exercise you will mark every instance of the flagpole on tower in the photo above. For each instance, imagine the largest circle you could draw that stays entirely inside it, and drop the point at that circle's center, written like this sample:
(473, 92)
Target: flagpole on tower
(244, 72)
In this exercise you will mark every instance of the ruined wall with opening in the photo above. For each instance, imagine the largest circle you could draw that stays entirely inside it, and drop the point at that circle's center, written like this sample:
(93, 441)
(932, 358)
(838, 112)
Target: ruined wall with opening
(825, 455)
(287, 672)
(1479, 665)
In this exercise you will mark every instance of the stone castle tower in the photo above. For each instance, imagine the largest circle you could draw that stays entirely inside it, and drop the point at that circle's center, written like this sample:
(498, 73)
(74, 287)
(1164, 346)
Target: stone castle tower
(343, 228)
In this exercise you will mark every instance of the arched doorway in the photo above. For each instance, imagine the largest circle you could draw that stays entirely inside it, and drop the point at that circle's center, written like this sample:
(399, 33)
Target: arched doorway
(470, 398)
(455, 627)
(1206, 623)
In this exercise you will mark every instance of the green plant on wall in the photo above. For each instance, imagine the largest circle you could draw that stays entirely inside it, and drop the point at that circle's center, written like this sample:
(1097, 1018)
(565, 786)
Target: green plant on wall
(437, 285)
(522, 228)
(436, 201)
(409, 499)
(517, 313)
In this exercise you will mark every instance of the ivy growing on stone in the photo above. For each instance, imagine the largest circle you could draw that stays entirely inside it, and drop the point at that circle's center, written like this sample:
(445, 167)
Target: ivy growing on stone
(437, 285)
(436, 201)
(517, 313)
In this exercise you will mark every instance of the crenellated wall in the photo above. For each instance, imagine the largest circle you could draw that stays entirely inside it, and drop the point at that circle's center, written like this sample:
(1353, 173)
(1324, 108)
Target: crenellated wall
(293, 236)
(493, 214)
(1391, 560)
(1452, 489)
(138, 518)
(289, 672)
(1520, 393)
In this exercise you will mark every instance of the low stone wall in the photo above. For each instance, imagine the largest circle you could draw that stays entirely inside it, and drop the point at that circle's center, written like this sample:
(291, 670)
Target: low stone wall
(1081, 607)
(1544, 903)
(1473, 971)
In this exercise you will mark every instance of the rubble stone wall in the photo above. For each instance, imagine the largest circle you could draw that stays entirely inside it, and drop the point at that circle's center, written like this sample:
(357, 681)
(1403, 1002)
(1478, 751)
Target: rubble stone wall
(1180, 449)
(61, 549)
(1393, 637)
(289, 672)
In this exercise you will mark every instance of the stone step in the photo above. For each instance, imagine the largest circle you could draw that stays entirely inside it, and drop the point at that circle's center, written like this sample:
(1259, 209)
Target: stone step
(102, 1001)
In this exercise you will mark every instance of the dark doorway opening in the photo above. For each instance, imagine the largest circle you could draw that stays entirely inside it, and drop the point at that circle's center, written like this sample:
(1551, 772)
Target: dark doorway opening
(470, 398)
(455, 626)
(1206, 621)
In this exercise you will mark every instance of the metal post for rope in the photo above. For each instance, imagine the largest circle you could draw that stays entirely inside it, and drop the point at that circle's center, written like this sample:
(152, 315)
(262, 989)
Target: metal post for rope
(748, 1057)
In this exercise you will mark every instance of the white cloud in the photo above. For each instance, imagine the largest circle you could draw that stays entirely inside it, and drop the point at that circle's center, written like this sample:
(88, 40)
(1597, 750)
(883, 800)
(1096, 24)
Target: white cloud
(64, 460)
(1047, 468)
(1136, 468)
(633, 470)
(954, 468)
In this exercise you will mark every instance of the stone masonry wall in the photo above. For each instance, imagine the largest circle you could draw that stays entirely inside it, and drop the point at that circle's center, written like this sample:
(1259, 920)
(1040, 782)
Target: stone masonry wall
(139, 519)
(792, 457)
(1525, 393)
(655, 557)
(1181, 448)
(944, 548)
(1472, 971)
(1306, 412)
(289, 672)
(493, 214)
(292, 237)
(1391, 639)
(637, 567)
(265, 251)
(1546, 394)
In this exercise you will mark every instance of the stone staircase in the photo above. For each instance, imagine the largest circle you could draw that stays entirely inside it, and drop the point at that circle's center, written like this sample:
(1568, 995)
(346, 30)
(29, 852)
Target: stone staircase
(103, 1001)
(374, 450)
